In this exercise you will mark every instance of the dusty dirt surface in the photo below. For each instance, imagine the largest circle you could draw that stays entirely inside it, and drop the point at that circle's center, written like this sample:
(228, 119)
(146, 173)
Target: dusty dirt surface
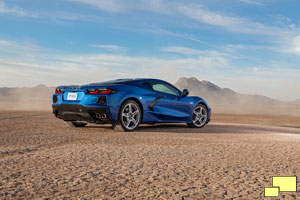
(270, 120)
(42, 158)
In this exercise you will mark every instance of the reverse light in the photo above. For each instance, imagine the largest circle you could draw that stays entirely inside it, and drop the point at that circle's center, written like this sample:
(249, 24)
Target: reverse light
(58, 91)
(101, 91)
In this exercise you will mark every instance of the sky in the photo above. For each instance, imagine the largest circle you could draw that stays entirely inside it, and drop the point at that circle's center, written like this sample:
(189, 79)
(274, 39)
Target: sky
(250, 46)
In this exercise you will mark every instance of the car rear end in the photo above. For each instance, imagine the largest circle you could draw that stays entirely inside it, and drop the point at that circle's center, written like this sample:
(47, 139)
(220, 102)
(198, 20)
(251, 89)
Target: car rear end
(83, 103)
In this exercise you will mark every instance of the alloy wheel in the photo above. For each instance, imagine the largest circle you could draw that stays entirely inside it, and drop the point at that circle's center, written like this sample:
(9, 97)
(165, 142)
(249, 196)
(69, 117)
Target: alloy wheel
(199, 116)
(130, 116)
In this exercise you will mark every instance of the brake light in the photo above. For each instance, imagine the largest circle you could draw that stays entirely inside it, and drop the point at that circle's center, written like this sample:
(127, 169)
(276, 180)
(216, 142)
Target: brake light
(58, 91)
(101, 91)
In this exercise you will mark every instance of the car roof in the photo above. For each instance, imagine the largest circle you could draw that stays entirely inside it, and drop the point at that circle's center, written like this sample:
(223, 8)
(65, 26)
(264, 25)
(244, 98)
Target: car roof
(125, 80)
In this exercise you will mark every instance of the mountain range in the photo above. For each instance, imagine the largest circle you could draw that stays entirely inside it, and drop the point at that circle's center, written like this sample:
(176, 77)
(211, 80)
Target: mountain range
(222, 100)
(225, 100)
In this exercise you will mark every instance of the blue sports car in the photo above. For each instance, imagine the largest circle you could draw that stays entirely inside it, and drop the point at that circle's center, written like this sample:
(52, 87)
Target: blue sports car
(126, 103)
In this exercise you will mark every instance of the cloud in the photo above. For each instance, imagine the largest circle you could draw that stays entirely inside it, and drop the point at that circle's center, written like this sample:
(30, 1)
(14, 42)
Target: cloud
(4, 9)
(252, 2)
(183, 50)
(119, 6)
(201, 14)
(295, 46)
(193, 52)
(230, 23)
(289, 46)
(108, 47)
(26, 64)
(106, 5)
(190, 11)
(161, 31)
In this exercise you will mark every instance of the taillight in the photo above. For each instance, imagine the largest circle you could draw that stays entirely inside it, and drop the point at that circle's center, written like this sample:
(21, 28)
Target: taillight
(58, 91)
(101, 91)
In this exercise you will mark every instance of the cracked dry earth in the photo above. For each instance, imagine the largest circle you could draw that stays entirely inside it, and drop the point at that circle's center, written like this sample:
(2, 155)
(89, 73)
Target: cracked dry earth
(42, 158)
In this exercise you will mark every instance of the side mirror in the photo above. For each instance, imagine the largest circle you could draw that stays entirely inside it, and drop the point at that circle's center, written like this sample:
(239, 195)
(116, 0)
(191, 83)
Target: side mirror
(185, 92)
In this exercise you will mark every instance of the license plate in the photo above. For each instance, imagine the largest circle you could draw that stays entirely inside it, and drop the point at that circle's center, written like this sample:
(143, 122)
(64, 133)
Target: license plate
(72, 96)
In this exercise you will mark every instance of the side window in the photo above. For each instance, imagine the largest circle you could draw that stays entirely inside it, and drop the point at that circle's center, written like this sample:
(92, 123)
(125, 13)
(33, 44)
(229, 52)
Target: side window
(162, 87)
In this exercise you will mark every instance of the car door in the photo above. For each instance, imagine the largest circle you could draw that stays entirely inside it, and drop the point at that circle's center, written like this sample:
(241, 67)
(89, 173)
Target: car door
(170, 102)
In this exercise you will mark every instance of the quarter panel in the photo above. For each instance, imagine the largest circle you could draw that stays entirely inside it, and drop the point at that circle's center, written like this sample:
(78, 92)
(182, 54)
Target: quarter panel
(145, 97)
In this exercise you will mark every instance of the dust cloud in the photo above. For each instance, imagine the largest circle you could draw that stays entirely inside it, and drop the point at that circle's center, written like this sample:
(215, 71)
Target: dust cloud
(25, 98)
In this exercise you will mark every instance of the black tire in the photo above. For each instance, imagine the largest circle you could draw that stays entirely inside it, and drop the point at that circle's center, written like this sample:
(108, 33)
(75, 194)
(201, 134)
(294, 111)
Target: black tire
(130, 115)
(201, 118)
(76, 124)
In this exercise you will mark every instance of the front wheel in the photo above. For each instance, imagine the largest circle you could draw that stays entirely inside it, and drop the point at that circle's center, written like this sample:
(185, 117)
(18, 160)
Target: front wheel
(129, 116)
(200, 117)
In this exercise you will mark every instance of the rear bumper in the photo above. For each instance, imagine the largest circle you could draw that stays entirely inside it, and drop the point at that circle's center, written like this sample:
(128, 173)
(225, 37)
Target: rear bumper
(77, 112)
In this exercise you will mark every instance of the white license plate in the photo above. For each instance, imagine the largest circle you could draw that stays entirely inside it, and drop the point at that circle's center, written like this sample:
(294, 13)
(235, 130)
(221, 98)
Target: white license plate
(72, 96)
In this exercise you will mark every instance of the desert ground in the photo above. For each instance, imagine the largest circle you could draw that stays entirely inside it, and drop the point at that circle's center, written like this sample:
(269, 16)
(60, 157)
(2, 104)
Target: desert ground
(234, 157)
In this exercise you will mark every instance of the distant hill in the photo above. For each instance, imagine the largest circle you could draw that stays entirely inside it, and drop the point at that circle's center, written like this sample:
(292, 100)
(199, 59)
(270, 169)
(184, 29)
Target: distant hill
(225, 100)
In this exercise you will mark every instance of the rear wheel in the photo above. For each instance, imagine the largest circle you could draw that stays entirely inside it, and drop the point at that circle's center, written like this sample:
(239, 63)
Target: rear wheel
(200, 117)
(129, 117)
(76, 124)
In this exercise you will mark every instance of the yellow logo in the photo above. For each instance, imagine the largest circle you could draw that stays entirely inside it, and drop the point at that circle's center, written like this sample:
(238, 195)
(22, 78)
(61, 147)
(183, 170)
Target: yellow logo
(281, 184)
